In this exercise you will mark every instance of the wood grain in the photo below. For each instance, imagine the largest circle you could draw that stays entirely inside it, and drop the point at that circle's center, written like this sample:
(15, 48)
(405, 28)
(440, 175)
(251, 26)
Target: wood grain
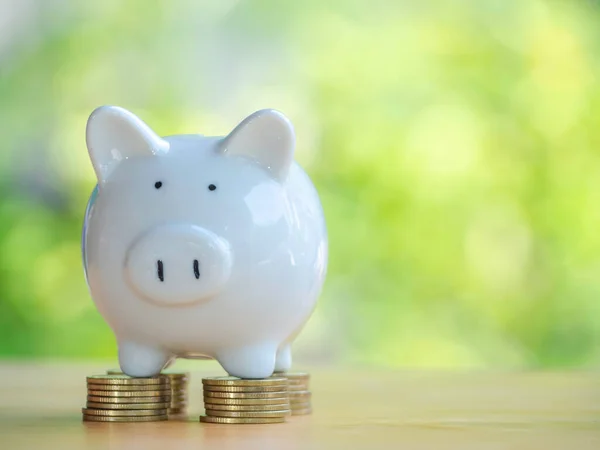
(40, 409)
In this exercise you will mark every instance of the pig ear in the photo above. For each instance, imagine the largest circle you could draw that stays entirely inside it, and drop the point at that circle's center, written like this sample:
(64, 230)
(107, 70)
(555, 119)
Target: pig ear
(267, 137)
(114, 134)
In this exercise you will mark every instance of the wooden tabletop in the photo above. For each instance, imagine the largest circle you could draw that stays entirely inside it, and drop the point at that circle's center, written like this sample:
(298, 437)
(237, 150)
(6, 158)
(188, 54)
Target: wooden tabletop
(40, 408)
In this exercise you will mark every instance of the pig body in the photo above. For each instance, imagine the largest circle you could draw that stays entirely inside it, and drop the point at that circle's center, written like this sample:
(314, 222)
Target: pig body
(201, 246)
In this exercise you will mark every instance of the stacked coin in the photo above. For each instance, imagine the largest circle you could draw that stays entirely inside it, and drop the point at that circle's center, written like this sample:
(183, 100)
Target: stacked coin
(119, 398)
(235, 400)
(298, 391)
(179, 398)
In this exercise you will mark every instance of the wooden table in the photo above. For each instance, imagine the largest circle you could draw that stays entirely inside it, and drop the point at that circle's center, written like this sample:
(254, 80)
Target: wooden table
(40, 409)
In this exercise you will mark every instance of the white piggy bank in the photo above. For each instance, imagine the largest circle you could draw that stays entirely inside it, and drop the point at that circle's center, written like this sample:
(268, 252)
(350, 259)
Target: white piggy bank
(197, 246)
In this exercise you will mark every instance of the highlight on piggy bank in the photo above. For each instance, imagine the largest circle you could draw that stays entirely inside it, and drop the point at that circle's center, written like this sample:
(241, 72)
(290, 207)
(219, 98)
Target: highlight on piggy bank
(202, 246)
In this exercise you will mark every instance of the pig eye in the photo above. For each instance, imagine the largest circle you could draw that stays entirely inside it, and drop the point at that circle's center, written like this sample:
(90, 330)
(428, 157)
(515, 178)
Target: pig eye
(158, 184)
(211, 187)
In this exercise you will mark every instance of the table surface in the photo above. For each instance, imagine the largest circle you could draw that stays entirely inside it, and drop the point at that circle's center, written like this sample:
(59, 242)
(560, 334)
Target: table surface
(40, 407)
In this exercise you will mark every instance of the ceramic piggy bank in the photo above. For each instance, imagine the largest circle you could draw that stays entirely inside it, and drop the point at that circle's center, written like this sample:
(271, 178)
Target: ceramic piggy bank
(198, 246)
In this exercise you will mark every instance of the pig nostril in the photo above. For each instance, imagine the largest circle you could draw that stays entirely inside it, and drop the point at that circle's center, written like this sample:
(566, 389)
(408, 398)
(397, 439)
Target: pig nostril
(196, 269)
(159, 270)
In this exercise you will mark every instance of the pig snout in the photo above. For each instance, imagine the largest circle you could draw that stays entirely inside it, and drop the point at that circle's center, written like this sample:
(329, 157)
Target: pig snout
(178, 264)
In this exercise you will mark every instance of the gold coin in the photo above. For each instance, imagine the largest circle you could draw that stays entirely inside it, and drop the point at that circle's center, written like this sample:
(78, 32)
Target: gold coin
(171, 411)
(302, 405)
(241, 420)
(276, 407)
(127, 380)
(127, 406)
(183, 376)
(301, 412)
(180, 416)
(128, 400)
(88, 418)
(150, 394)
(294, 401)
(128, 387)
(176, 379)
(298, 380)
(178, 405)
(137, 412)
(275, 388)
(278, 394)
(298, 394)
(181, 389)
(176, 375)
(284, 373)
(294, 385)
(179, 392)
(296, 375)
(293, 392)
(299, 389)
(246, 401)
(234, 381)
(223, 413)
(179, 398)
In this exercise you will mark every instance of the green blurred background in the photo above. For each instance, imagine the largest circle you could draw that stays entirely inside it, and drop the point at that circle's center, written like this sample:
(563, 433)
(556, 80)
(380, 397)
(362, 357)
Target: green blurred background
(455, 145)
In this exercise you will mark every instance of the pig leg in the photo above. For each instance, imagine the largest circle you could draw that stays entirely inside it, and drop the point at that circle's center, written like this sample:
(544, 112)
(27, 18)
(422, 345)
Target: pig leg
(248, 362)
(283, 361)
(138, 360)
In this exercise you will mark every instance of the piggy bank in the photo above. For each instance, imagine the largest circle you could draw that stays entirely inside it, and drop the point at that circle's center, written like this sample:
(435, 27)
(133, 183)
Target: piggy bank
(201, 246)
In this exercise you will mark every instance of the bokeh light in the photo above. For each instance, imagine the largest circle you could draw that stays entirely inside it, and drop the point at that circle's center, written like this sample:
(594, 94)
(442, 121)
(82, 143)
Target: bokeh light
(455, 146)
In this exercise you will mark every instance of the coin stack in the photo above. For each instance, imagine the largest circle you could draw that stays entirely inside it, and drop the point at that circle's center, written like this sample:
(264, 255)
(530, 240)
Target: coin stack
(240, 401)
(179, 399)
(298, 391)
(119, 398)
